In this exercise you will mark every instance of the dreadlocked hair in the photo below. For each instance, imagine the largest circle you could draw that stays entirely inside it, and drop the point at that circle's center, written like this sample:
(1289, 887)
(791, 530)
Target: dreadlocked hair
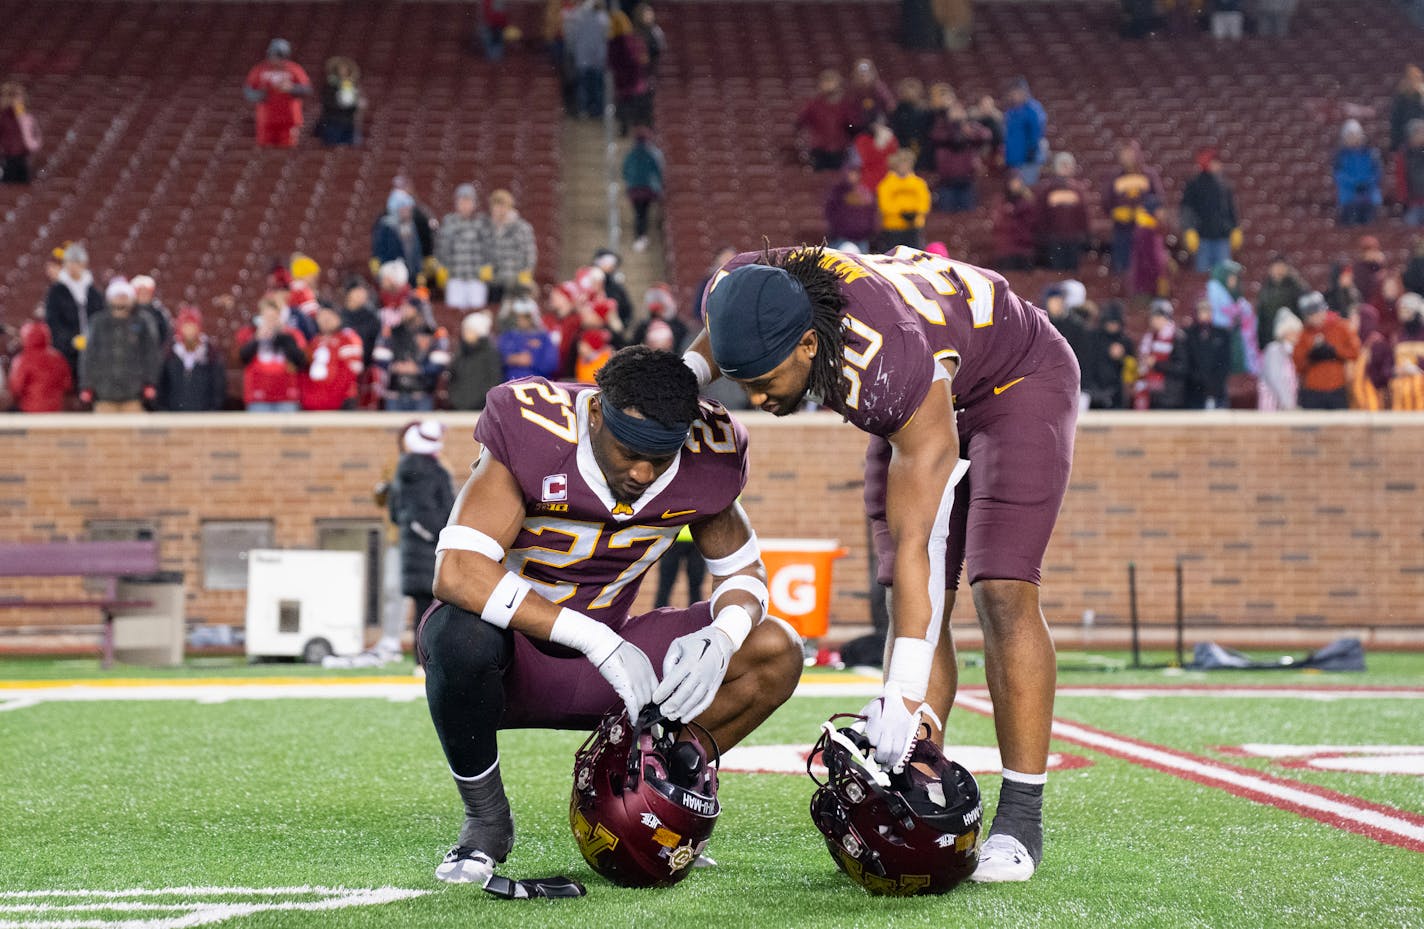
(828, 303)
(655, 383)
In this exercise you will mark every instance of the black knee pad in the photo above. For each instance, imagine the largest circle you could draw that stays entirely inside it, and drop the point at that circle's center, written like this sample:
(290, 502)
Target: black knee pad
(462, 643)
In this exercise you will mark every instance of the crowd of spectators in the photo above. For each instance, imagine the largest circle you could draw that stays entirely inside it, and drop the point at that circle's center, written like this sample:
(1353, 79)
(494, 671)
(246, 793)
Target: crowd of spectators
(1358, 344)
(364, 346)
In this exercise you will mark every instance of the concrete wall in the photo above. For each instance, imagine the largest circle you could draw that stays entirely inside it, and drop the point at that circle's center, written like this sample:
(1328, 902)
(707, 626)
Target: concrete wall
(1292, 527)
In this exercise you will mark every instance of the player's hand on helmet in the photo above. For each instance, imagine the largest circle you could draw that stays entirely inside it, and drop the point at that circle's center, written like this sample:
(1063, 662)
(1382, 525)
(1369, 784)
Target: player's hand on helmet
(631, 675)
(692, 673)
(892, 727)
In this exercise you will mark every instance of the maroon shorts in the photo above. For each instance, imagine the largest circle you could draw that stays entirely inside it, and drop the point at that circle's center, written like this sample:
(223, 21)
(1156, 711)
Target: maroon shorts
(1020, 449)
(545, 691)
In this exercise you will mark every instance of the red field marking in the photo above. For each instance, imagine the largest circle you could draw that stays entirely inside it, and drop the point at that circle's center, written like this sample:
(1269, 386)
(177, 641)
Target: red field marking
(1385, 824)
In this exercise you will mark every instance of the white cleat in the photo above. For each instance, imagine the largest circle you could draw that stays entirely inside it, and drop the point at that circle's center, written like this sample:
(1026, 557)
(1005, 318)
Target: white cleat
(1003, 859)
(465, 866)
(704, 861)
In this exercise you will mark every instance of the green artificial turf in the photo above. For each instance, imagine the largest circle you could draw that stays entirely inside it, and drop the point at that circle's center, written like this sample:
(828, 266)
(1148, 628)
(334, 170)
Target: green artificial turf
(354, 793)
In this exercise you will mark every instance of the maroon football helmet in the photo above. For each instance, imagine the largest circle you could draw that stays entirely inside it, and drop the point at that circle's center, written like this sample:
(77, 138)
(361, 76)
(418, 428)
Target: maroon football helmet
(916, 832)
(644, 799)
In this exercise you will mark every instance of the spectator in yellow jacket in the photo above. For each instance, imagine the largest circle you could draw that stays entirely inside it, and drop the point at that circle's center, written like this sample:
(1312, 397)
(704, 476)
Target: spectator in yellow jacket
(904, 199)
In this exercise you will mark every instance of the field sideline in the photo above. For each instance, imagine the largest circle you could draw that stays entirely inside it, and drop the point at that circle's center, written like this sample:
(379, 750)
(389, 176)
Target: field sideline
(280, 796)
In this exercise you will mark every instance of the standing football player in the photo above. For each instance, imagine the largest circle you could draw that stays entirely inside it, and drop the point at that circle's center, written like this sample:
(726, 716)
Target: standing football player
(578, 491)
(902, 346)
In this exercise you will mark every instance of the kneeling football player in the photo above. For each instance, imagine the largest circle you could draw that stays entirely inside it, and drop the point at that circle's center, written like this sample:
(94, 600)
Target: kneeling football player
(578, 491)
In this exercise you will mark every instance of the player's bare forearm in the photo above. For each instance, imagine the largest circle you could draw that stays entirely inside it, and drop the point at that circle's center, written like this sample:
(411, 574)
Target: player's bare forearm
(490, 502)
(924, 455)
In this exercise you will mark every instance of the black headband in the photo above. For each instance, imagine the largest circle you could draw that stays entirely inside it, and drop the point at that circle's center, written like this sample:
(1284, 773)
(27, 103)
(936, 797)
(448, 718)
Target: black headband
(643, 436)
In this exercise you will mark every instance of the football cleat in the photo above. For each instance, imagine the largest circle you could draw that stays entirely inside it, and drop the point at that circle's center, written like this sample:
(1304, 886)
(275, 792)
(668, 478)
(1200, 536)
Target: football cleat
(465, 866)
(915, 832)
(1003, 859)
(645, 798)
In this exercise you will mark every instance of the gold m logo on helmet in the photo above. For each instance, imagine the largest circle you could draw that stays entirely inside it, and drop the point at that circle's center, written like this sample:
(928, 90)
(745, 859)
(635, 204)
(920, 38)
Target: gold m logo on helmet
(908, 884)
(593, 840)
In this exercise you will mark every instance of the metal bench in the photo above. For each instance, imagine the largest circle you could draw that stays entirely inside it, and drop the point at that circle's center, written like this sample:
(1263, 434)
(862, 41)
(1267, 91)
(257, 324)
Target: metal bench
(105, 561)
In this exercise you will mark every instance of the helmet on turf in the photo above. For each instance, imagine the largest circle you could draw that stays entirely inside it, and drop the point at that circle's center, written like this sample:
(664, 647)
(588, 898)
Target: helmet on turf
(916, 832)
(644, 798)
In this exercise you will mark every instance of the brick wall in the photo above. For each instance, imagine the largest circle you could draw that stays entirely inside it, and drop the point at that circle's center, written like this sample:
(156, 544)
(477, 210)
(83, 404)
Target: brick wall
(1292, 528)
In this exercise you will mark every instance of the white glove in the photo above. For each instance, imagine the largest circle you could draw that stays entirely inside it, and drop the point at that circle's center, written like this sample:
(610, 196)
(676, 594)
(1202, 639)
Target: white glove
(692, 673)
(632, 676)
(892, 729)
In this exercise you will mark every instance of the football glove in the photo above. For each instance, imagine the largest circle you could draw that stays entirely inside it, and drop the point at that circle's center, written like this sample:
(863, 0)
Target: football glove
(692, 673)
(891, 728)
(631, 675)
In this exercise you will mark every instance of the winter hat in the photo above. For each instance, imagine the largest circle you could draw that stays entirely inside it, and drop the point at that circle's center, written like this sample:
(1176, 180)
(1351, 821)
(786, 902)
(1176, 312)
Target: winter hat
(302, 266)
(938, 248)
(570, 292)
(658, 300)
(1285, 322)
(589, 279)
(1351, 127)
(76, 252)
(398, 199)
(1206, 156)
(466, 192)
(118, 287)
(1410, 306)
(1075, 294)
(1313, 302)
(394, 272)
(279, 48)
(606, 260)
(187, 313)
(659, 335)
(524, 306)
(426, 437)
(476, 326)
(1161, 308)
(849, 247)
(143, 280)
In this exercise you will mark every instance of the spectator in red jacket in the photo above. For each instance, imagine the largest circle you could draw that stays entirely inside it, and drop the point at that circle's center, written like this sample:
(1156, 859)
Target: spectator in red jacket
(277, 85)
(827, 119)
(1126, 189)
(561, 319)
(333, 364)
(1062, 215)
(39, 376)
(873, 149)
(272, 356)
(1372, 274)
(1014, 221)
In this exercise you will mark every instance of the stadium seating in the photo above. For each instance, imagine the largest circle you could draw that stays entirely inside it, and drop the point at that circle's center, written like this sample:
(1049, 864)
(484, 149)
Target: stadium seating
(1272, 105)
(149, 155)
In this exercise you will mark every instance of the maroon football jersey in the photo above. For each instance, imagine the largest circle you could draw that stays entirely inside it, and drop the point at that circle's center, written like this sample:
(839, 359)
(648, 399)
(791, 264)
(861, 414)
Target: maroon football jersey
(906, 310)
(579, 547)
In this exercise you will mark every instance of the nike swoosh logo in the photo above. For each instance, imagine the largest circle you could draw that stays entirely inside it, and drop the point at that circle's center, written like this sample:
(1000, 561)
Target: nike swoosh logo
(670, 514)
(510, 604)
(1000, 389)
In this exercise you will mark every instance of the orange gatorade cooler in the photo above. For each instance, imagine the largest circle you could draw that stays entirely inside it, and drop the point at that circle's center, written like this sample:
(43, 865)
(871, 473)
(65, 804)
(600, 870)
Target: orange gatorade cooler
(798, 576)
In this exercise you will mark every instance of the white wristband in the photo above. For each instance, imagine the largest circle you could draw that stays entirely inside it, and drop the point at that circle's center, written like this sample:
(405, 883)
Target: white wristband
(505, 600)
(699, 366)
(589, 636)
(749, 553)
(736, 622)
(470, 540)
(910, 662)
(752, 585)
